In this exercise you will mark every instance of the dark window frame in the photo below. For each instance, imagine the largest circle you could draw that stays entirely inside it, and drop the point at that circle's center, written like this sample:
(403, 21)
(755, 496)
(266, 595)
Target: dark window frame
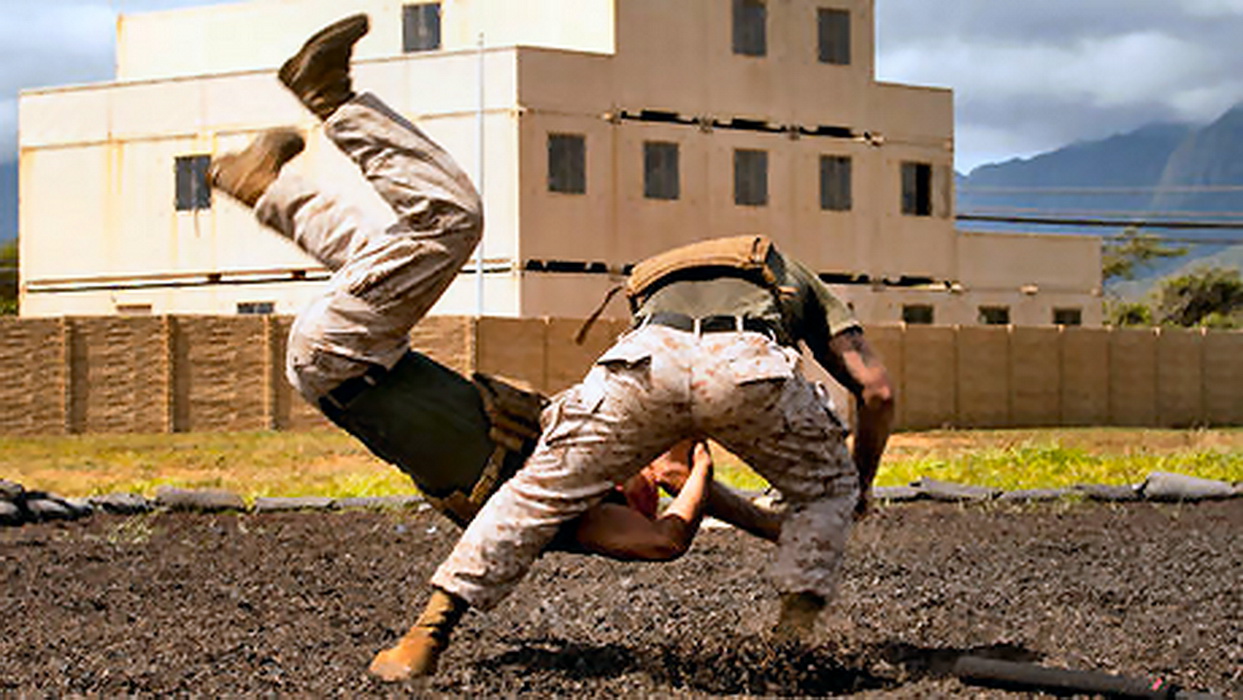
(1061, 315)
(750, 28)
(134, 309)
(192, 190)
(836, 183)
(919, 314)
(256, 308)
(916, 188)
(994, 315)
(420, 27)
(833, 36)
(750, 177)
(567, 163)
(661, 170)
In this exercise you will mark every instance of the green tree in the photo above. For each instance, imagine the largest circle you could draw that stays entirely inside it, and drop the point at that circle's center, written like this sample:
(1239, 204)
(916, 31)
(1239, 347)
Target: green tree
(1127, 313)
(8, 278)
(1123, 256)
(1206, 296)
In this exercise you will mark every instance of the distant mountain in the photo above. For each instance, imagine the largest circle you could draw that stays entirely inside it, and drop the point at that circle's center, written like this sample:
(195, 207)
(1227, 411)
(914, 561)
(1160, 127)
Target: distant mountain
(1134, 160)
(8, 200)
(1116, 178)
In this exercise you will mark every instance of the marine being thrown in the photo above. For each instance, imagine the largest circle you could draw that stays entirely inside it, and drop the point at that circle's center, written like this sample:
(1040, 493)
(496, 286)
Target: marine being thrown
(349, 351)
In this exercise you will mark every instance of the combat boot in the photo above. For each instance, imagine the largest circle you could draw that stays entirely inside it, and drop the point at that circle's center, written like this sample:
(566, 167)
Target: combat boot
(799, 612)
(247, 174)
(319, 74)
(416, 654)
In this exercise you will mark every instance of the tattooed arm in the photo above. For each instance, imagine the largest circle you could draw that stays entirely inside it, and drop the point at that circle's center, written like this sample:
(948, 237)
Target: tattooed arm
(852, 362)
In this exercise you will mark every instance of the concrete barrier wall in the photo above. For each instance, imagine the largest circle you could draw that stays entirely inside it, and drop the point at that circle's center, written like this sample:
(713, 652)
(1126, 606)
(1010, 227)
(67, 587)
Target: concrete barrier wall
(1084, 394)
(119, 374)
(206, 373)
(1180, 378)
(1035, 377)
(34, 392)
(1223, 378)
(928, 388)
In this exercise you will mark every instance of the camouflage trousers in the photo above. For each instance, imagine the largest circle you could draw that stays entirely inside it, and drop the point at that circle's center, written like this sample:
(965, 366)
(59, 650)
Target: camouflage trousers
(654, 387)
(385, 277)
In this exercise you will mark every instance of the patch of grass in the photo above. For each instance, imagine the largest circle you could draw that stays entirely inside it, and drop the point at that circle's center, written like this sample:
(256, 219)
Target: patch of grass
(1053, 458)
(331, 463)
(312, 463)
(1052, 465)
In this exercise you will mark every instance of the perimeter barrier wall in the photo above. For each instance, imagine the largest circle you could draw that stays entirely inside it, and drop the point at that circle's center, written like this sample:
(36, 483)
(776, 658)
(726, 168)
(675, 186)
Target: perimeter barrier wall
(215, 373)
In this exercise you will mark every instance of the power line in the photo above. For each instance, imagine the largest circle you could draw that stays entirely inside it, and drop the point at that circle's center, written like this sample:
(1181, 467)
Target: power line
(1102, 213)
(1108, 223)
(1154, 189)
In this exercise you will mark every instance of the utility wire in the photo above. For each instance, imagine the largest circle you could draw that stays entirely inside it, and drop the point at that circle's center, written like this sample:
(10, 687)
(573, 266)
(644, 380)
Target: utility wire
(1109, 223)
(1101, 213)
(1155, 189)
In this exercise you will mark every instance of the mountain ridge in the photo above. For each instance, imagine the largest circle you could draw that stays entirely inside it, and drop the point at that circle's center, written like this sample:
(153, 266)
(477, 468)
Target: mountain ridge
(1161, 171)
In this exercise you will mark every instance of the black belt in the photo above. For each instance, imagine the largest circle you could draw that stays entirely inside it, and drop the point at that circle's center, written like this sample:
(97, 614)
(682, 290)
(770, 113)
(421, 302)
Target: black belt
(352, 388)
(707, 324)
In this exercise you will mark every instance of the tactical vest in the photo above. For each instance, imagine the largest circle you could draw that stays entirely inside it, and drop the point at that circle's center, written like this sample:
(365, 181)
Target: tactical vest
(458, 439)
(745, 256)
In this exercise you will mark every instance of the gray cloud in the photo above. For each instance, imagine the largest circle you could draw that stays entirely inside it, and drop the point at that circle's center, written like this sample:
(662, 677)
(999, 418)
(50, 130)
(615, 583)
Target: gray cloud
(1030, 77)
(45, 43)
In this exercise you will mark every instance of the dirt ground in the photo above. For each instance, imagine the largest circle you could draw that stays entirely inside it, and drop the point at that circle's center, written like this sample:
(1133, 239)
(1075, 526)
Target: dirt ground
(298, 604)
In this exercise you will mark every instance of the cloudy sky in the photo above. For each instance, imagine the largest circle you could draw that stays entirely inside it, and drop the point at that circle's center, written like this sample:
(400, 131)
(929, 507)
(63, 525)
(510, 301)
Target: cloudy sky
(1027, 76)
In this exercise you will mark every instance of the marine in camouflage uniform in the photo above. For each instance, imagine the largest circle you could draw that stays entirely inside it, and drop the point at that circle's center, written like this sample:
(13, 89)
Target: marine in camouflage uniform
(712, 354)
(349, 349)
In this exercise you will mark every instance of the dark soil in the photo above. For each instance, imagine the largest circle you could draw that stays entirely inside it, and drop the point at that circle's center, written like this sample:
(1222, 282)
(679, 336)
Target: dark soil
(298, 604)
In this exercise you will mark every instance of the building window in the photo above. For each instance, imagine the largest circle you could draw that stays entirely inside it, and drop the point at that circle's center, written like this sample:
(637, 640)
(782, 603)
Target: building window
(420, 27)
(750, 18)
(660, 170)
(835, 183)
(567, 163)
(917, 314)
(193, 190)
(995, 315)
(134, 309)
(917, 189)
(252, 308)
(834, 31)
(750, 177)
(1068, 317)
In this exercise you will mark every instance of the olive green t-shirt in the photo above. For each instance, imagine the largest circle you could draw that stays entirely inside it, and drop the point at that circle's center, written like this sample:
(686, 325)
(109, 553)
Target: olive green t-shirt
(809, 311)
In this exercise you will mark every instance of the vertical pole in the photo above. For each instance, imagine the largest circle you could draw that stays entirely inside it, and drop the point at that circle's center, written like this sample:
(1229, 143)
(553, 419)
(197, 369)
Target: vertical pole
(479, 184)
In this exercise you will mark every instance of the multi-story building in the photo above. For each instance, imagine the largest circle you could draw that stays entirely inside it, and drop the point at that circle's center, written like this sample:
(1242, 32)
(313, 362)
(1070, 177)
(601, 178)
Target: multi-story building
(601, 131)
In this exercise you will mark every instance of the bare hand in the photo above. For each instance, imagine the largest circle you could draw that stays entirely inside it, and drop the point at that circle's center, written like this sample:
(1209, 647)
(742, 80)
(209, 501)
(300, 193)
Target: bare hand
(673, 468)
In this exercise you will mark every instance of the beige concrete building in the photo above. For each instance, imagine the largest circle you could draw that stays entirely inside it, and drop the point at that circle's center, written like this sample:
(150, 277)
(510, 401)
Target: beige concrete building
(602, 131)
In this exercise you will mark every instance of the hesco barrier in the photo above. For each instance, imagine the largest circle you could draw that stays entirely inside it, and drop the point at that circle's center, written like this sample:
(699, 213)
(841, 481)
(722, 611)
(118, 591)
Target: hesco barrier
(209, 373)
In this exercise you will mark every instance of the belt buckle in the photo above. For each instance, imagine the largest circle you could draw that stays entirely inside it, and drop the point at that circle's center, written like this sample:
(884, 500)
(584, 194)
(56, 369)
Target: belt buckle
(697, 327)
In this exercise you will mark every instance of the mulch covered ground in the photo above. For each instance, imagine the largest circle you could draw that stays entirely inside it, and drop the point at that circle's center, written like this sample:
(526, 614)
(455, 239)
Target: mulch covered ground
(298, 604)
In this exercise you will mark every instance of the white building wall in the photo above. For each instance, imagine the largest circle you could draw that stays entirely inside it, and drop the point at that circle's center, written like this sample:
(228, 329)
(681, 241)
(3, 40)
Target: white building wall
(201, 81)
(261, 34)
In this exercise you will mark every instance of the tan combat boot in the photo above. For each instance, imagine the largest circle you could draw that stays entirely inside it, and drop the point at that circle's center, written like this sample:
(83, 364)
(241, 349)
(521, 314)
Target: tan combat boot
(319, 74)
(416, 654)
(247, 174)
(799, 612)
